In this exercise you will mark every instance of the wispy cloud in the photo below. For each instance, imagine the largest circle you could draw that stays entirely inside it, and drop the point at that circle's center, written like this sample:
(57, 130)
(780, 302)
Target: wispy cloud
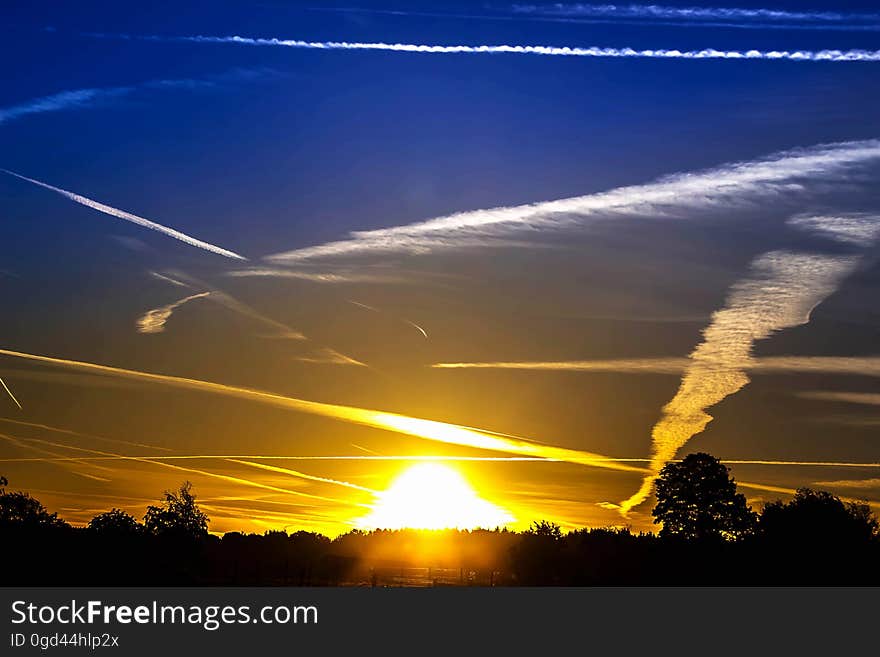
(692, 13)
(133, 218)
(780, 292)
(334, 277)
(863, 398)
(73, 99)
(551, 51)
(848, 228)
(153, 321)
(279, 329)
(731, 185)
(851, 483)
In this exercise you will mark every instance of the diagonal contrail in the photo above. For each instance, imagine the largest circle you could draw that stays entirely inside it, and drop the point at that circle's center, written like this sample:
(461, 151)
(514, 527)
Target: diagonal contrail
(9, 392)
(133, 218)
(781, 174)
(411, 426)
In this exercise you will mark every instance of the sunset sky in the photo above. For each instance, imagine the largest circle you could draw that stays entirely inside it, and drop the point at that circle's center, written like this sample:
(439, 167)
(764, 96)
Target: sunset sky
(294, 265)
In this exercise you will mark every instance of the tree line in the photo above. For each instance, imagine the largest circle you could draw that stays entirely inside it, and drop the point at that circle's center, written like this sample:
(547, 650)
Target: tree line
(708, 535)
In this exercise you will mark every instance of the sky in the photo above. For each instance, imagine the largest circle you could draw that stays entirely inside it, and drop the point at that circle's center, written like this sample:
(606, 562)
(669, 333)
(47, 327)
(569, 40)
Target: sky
(289, 251)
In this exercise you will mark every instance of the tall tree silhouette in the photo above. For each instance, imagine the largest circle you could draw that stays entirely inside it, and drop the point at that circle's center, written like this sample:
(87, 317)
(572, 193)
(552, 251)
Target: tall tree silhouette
(697, 499)
(178, 516)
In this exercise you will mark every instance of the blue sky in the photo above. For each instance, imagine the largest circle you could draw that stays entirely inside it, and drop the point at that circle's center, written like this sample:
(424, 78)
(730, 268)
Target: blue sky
(270, 150)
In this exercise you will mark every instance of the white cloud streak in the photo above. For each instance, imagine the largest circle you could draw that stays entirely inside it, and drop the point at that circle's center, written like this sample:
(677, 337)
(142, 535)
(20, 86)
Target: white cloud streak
(335, 277)
(552, 51)
(847, 228)
(133, 218)
(72, 99)
(691, 13)
(82, 98)
(725, 186)
(153, 321)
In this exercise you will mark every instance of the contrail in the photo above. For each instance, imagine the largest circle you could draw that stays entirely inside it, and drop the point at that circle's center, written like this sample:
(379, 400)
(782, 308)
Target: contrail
(153, 321)
(328, 356)
(726, 186)
(70, 432)
(57, 459)
(552, 51)
(402, 319)
(856, 365)
(425, 457)
(9, 392)
(618, 15)
(233, 304)
(426, 429)
(167, 279)
(692, 13)
(206, 473)
(303, 475)
(133, 218)
(322, 355)
(317, 277)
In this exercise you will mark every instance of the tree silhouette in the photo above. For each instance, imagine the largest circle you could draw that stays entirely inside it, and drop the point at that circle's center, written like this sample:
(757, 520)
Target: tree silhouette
(178, 516)
(818, 517)
(21, 511)
(697, 499)
(115, 523)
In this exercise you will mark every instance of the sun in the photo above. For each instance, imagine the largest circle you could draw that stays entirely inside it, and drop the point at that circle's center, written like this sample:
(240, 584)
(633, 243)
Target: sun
(432, 496)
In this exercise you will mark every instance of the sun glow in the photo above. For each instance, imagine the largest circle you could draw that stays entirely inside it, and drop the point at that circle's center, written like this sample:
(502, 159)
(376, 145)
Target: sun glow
(433, 496)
